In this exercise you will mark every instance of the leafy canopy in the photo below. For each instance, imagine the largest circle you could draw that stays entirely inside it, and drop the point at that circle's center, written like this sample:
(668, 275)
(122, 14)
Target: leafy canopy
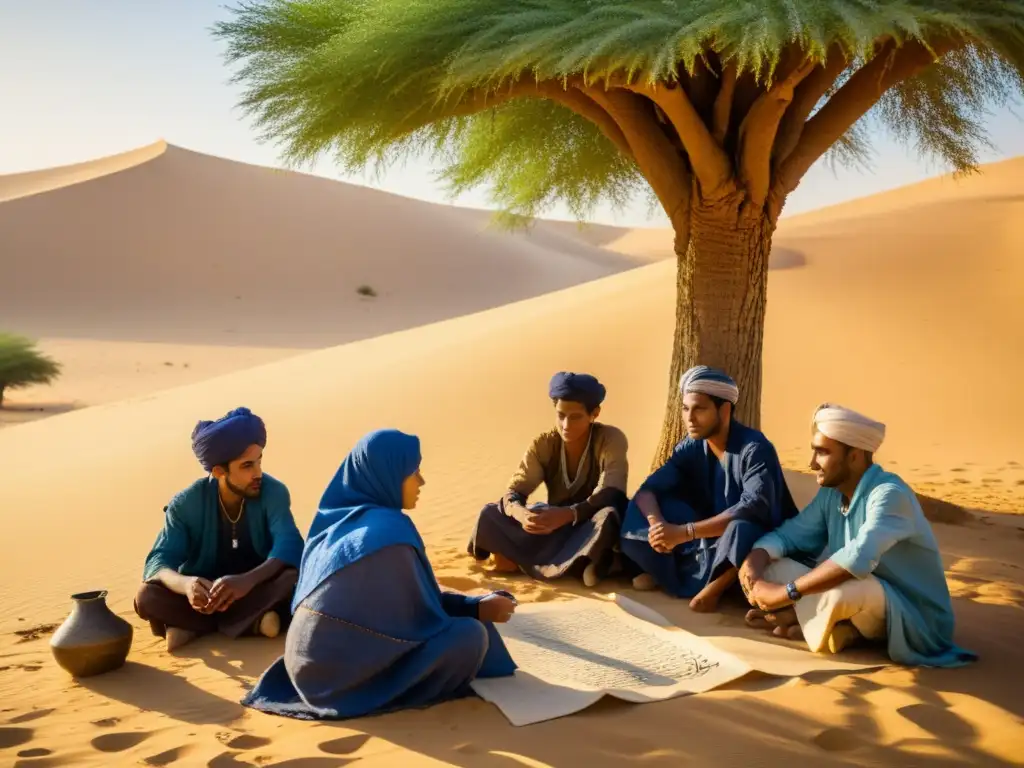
(22, 364)
(370, 81)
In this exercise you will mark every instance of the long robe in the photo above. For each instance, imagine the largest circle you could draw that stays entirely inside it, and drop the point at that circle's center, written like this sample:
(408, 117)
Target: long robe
(883, 533)
(596, 494)
(372, 631)
(694, 485)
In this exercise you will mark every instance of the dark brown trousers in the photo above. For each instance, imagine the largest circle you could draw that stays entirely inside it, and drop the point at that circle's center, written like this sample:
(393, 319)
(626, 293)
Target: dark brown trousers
(163, 608)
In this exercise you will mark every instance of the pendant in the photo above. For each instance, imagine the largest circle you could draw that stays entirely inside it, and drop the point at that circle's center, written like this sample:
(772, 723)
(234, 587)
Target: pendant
(234, 543)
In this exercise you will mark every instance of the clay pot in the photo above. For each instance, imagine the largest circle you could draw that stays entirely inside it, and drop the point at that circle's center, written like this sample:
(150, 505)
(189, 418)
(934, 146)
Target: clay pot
(92, 639)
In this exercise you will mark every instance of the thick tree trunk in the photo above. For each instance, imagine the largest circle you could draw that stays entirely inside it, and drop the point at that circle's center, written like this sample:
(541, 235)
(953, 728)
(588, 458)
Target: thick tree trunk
(721, 286)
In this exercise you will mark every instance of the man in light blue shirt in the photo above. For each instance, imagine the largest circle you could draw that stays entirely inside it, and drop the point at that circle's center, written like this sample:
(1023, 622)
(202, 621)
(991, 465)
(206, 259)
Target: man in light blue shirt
(879, 573)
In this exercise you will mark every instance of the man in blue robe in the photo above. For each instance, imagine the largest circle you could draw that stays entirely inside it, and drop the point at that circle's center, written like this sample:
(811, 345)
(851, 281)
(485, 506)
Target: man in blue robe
(227, 556)
(879, 574)
(694, 520)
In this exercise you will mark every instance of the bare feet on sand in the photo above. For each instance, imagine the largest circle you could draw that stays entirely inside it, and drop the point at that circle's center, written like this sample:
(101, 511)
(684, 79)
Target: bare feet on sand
(644, 583)
(178, 637)
(707, 599)
(591, 578)
(782, 623)
(844, 634)
(503, 565)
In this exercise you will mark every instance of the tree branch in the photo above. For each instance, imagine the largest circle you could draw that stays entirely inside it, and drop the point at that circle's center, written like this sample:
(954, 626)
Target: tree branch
(723, 105)
(891, 66)
(710, 164)
(806, 98)
(660, 163)
(586, 107)
(758, 130)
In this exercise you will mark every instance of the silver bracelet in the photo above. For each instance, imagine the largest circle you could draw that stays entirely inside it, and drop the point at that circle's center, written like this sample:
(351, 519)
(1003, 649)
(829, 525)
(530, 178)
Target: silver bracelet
(690, 531)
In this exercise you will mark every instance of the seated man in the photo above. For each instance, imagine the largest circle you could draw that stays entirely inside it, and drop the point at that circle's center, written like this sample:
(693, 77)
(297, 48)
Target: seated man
(694, 520)
(583, 465)
(227, 557)
(880, 574)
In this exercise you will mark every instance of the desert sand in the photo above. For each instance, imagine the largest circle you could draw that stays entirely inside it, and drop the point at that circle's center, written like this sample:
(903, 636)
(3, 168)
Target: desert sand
(921, 336)
(161, 255)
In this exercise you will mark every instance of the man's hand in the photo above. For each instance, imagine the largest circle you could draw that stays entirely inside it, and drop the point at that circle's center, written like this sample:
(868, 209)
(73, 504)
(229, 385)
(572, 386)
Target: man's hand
(198, 594)
(227, 589)
(547, 520)
(769, 596)
(496, 609)
(664, 537)
(752, 570)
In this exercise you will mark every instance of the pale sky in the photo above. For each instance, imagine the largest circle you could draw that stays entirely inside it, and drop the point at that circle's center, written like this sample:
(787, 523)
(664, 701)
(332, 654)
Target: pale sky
(80, 80)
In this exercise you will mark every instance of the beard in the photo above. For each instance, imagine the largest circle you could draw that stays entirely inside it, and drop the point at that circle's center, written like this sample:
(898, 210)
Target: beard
(710, 431)
(245, 493)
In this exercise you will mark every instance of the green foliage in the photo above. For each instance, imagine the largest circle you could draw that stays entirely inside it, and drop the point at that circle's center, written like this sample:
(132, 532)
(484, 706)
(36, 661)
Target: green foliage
(369, 81)
(21, 364)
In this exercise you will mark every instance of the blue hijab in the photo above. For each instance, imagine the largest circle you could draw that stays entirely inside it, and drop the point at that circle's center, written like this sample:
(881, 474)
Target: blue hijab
(361, 510)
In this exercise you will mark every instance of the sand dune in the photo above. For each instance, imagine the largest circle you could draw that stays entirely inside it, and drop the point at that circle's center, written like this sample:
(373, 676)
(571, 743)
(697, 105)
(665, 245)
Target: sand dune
(180, 247)
(86, 488)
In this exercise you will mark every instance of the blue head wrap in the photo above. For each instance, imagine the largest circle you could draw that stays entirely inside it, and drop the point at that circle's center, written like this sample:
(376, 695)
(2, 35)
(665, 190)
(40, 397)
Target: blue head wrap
(361, 510)
(709, 381)
(224, 440)
(578, 388)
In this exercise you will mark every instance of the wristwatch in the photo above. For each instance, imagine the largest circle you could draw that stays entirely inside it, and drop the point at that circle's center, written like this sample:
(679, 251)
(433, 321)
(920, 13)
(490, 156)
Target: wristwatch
(793, 592)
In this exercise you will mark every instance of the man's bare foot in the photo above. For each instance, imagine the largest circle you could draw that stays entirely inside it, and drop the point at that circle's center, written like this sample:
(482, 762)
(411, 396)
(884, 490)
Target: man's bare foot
(789, 632)
(503, 565)
(756, 620)
(591, 578)
(645, 583)
(707, 599)
(269, 624)
(844, 634)
(177, 637)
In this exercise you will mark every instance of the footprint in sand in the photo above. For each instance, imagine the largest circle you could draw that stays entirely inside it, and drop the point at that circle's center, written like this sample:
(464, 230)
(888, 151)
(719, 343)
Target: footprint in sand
(838, 740)
(939, 721)
(107, 722)
(247, 741)
(168, 757)
(35, 633)
(14, 737)
(345, 745)
(35, 752)
(30, 716)
(119, 742)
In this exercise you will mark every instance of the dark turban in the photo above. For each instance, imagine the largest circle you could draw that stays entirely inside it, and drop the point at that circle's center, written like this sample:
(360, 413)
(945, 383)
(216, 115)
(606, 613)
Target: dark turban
(224, 440)
(578, 388)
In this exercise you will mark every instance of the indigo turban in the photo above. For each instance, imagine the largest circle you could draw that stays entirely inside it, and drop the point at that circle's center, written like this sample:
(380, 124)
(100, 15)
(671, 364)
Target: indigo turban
(849, 427)
(709, 381)
(224, 440)
(578, 388)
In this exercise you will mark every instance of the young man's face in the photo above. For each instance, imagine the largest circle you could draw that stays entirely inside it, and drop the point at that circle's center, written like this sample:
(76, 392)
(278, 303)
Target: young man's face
(700, 415)
(573, 420)
(832, 461)
(244, 475)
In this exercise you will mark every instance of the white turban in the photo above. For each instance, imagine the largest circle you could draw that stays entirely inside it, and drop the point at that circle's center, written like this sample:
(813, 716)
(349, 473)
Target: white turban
(709, 381)
(849, 427)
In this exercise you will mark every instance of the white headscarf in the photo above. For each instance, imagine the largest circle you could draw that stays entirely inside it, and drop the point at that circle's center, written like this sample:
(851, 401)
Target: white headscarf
(848, 427)
(709, 381)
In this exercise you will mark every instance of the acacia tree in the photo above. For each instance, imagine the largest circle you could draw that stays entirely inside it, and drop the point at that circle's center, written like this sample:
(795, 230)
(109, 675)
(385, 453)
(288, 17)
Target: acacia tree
(716, 108)
(21, 364)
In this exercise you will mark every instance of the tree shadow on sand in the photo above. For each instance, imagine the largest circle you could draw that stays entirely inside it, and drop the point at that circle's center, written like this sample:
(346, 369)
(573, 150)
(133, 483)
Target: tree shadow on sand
(155, 690)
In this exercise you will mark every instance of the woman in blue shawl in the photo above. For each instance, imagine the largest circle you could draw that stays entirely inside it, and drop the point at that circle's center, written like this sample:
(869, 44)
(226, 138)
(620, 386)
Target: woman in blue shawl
(372, 631)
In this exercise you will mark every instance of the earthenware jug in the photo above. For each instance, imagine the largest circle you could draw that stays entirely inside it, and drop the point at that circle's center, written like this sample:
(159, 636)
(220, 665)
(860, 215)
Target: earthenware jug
(92, 639)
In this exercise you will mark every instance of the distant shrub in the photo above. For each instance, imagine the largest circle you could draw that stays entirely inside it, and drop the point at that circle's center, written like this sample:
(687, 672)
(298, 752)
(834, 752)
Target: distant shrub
(366, 290)
(21, 364)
